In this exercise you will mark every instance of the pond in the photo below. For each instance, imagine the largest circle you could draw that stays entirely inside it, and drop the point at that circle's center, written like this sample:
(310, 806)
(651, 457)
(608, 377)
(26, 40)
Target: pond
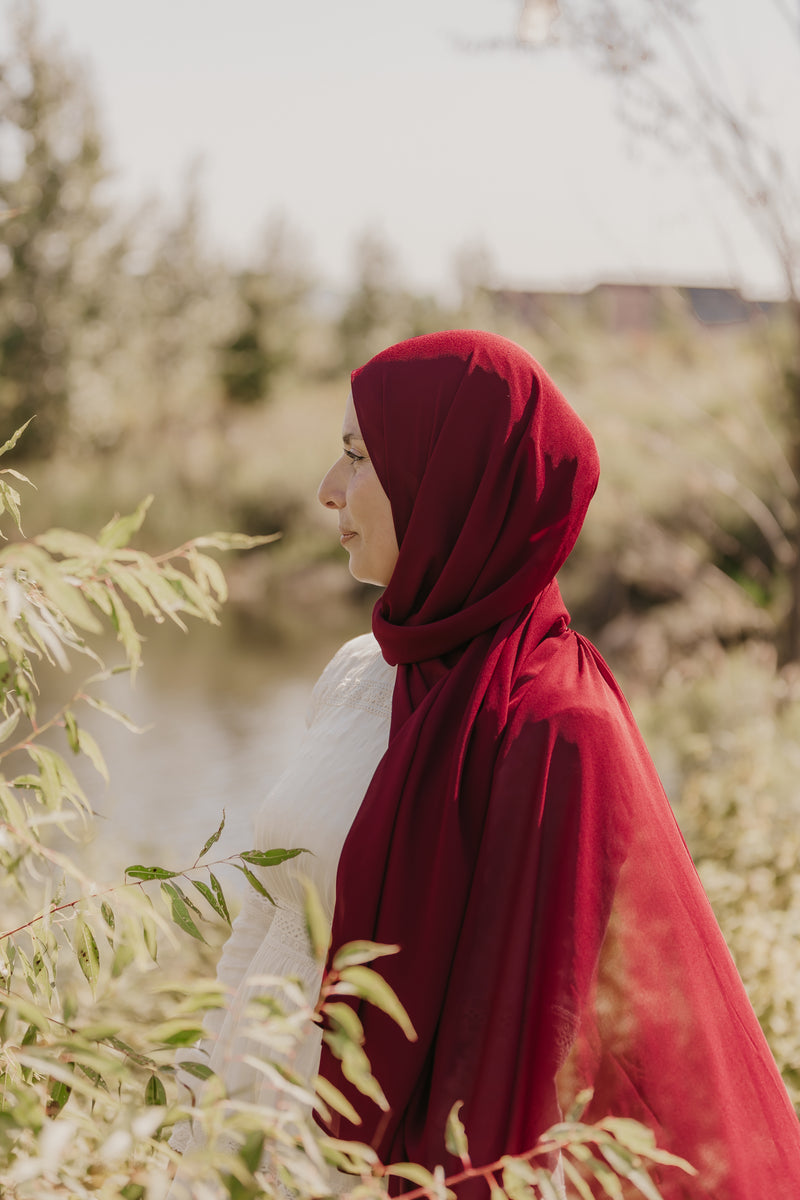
(220, 712)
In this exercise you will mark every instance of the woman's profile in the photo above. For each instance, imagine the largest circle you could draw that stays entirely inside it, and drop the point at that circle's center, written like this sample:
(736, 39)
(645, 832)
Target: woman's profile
(475, 791)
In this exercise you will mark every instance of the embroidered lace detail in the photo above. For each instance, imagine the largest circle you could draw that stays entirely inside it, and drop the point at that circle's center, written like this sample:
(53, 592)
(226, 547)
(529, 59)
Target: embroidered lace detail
(371, 695)
(289, 927)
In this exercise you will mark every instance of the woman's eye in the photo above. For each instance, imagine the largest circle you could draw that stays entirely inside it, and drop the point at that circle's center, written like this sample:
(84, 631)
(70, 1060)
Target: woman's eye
(354, 458)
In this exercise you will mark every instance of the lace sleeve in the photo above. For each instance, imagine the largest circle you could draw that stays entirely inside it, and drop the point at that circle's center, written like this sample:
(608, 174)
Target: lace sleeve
(249, 930)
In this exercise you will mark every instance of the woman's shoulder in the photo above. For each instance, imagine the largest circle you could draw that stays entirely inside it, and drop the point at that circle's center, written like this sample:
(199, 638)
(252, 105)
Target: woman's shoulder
(568, 686)
(357, 676)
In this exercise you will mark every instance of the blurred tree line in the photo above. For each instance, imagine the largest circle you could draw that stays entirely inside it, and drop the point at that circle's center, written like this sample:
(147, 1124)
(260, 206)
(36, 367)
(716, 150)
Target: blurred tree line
(151, 365)
(82, 285)
(678, 87)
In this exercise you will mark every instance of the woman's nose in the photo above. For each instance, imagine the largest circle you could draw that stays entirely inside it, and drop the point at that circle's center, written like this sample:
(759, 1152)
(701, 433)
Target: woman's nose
(330, 493)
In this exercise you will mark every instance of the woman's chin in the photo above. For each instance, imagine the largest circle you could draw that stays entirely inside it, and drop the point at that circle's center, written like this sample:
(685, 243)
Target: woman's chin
(363, 574)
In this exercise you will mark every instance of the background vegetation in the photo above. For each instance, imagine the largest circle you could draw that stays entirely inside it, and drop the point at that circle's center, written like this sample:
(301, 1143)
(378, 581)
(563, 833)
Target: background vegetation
(147, 366)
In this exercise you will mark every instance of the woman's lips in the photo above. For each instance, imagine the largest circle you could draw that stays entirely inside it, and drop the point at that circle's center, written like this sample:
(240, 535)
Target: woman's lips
(346, 535)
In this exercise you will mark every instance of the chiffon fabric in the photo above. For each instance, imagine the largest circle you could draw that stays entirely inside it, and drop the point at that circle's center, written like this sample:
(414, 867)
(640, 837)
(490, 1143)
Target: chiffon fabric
(515, 840)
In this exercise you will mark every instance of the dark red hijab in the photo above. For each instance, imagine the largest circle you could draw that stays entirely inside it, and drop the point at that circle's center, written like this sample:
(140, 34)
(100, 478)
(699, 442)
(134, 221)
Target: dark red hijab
(515, 840)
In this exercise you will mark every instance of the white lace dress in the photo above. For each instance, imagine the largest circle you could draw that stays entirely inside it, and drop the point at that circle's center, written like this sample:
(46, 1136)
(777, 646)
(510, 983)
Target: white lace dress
(312, 805)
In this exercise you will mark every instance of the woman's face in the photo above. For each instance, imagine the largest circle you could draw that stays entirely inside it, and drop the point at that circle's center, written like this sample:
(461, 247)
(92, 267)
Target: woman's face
(366, 528)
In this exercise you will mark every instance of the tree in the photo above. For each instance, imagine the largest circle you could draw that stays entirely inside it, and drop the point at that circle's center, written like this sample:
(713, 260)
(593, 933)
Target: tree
(59, 245)
(369, 318)
(273, 311)
(673, 88)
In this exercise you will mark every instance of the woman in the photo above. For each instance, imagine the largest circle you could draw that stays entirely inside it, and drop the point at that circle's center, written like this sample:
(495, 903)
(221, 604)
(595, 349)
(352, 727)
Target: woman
(477, 775)
(515, 841)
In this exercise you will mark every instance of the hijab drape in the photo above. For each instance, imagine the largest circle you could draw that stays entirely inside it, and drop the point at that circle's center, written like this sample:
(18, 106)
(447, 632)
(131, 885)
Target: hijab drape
(515, 840)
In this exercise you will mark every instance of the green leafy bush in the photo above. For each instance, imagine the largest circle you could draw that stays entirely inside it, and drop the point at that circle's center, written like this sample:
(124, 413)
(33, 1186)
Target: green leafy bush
(725, 735)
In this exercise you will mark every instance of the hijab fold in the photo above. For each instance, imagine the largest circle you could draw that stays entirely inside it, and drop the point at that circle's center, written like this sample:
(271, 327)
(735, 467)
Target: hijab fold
(515, 840)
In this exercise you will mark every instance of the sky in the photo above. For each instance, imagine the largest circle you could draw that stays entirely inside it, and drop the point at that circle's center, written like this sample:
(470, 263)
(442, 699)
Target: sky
(366, 115)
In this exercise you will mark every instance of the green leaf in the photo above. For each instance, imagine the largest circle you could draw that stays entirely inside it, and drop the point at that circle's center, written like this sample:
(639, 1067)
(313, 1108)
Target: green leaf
(333, 1098)
(217, 890)
(355, 1066)
(49, 765)
(9, 501)
(11, 806)
(640, 1140)
(57, 586)
(644, 1183)
(88, 746)
(117, 1044)
(12, 441)
(254, 881)
(547, 1189)
(189, 903)
(150, 935)
(270, 858)
(68, 544)
(213, 839)
(115, 714)
(364, 982)
(354, 953)
(154, 1092)
(123, 957)
(518, 1179)
(132, 1191)
(200, 1070)
(119, 530)
(180, 912)
(126, 579)
(126, 633)
(9, 725)
(207, 894)
(86, 949)
(235, 541)
(576, 1179)
(413, 1172)
(99, 593)
(341, 1015)
(139, 872)
(69, 1004)
(635, 1136)
(180, 1031)
(608, 1181)
(252, 1150)
(108, 915)
(94, 1076)
(455, 1137)
(317, 923)
(618, 1158)
(58, 1096)
(209, 574)
(579, 1105)
(71, 726)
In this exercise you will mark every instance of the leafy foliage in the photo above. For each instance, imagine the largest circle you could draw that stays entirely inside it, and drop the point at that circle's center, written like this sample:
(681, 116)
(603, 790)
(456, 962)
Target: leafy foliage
(725, 735)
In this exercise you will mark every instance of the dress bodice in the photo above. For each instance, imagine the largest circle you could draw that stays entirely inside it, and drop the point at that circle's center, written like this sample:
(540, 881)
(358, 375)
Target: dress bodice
(312, 805)
(315, 800)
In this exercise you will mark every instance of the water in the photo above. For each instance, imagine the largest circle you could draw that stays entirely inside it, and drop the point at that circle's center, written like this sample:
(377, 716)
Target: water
(222, 711)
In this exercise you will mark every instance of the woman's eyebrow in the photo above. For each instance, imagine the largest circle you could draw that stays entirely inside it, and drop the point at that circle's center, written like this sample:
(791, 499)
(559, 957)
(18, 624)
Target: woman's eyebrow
(349, 438)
